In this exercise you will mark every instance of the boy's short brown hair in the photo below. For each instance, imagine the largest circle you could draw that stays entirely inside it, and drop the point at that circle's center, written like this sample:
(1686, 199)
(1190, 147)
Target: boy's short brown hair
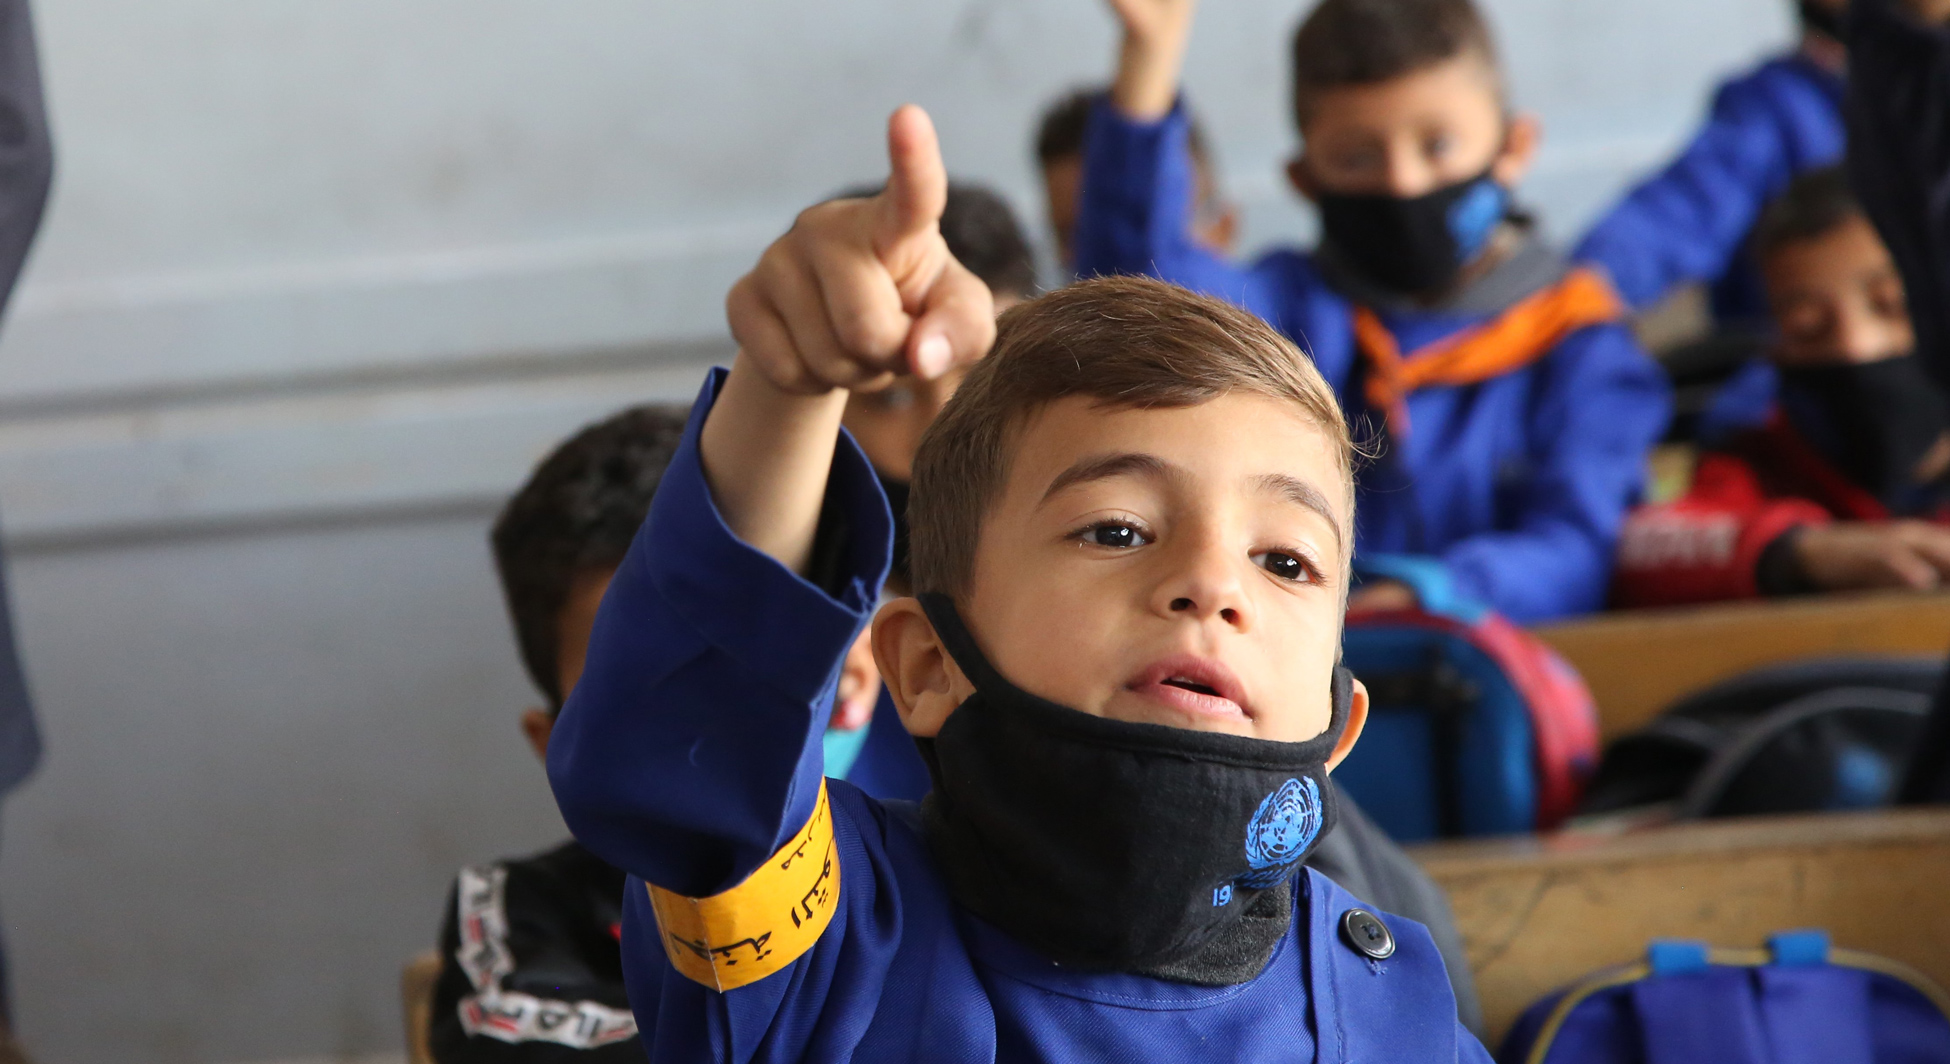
(1123, 341)
(1362, 42)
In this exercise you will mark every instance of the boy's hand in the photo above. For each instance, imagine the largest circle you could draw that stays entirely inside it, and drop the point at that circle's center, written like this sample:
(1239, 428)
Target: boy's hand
(857, 292)
(1861, 555)
(1153, 55)
(860, 290)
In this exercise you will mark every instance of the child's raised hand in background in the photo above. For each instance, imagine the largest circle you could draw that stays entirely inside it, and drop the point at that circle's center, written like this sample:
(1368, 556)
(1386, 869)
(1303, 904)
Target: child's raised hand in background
(857, 292)
(1153, 54)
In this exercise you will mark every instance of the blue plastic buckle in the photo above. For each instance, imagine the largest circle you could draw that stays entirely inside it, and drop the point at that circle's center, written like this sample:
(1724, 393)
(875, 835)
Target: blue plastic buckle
(1806, 948)
(1667, 956)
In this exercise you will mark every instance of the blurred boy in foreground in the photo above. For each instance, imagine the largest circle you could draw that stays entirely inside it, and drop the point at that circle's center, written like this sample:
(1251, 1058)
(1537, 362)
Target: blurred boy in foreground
(1517, 408)
(1844, 486)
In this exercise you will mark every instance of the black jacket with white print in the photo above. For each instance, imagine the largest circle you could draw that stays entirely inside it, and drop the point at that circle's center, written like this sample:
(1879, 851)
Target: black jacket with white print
(532, 969)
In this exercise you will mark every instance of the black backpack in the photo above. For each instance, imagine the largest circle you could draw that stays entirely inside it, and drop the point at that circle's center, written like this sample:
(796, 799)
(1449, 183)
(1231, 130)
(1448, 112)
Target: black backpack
(1812, 736)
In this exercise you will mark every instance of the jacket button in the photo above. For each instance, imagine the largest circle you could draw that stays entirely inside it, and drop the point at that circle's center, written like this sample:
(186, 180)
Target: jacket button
(1365, 932)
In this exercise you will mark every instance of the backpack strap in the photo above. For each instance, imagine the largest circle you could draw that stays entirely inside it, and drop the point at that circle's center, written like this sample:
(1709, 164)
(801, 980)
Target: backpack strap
(1524, 333)
(1800, 1017)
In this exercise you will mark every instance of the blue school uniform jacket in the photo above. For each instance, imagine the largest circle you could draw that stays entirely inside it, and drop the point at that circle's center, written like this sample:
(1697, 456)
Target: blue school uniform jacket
(1689, 223)
(1518, 483)
(689, 756)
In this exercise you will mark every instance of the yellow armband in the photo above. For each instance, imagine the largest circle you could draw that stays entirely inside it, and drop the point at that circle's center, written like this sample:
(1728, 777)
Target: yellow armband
(763, 924)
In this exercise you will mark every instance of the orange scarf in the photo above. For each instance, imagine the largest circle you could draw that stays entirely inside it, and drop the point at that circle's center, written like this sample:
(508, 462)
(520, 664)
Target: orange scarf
(1519, 336)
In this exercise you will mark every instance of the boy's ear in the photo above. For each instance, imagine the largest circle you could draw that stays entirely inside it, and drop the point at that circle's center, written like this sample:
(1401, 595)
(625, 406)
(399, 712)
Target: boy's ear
(1357, 719)
(1301, 179)
(1520, 143)
(924, 681)
(537, 724)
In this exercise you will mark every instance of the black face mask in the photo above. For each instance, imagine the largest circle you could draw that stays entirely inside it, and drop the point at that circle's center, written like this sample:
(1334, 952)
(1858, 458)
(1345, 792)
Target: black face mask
(1418, 244)
(1822, 19)
(1116, 846)
(1885, 417)
(896, 492)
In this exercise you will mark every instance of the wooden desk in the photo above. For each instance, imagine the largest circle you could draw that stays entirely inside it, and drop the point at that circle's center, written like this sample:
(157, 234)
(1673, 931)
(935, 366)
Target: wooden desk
(1639, 662)
(1538, 913)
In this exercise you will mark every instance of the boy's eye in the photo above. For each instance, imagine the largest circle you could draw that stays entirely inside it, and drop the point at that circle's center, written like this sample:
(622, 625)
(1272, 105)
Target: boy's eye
(1284, 566)
(1116, 537)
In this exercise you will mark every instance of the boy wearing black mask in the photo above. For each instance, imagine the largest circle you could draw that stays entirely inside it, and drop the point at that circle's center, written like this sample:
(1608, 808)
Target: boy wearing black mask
(1131, 533)
(1517, 409)
(1844, 487)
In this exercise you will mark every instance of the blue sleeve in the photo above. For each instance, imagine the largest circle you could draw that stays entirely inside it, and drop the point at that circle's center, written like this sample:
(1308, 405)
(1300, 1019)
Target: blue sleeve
(1470, 1049)
(1687, 223)
(1599, 405)
(1134, 213)
(690, 749)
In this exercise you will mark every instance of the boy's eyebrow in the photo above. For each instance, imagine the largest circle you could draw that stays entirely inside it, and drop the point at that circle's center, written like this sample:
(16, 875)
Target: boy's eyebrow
(1137, 463)
(1105, 466)
(1301, 493)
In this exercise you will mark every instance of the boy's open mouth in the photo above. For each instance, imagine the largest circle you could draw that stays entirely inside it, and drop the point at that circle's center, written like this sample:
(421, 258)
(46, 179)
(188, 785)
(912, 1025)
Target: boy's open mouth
(1193, 685)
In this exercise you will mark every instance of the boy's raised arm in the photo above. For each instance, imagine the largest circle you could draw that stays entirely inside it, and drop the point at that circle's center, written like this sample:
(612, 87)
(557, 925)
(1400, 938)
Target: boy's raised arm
(689, 751)
(856, 292)
(1135, 210)
(1151, 57)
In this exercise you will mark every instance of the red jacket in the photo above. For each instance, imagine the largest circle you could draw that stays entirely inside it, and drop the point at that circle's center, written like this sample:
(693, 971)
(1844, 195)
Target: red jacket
(1707, 544)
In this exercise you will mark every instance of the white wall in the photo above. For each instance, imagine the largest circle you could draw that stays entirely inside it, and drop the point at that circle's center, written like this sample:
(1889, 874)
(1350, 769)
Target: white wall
(320, 280)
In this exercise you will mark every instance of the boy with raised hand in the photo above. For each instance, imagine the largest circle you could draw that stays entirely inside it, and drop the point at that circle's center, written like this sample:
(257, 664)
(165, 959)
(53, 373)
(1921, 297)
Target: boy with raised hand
(1517, 409)
(1122, 664)
(1846, 486)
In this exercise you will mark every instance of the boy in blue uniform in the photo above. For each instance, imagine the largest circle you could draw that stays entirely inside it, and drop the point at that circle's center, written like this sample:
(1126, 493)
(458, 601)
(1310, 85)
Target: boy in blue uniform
(1147, 533)
(1517, 409)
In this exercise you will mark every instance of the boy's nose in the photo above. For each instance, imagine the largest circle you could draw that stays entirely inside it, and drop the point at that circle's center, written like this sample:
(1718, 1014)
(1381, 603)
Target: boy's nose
(1409, 174)
(1206, 587)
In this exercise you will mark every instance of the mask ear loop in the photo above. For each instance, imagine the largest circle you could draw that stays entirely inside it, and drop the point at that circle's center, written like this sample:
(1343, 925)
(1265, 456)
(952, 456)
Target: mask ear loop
(960, 643)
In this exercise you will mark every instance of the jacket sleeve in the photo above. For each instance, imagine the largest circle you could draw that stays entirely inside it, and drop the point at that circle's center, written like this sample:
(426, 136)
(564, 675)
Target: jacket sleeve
(511, 988)
(1134, 213)
(1599, 405)
(1688, 222)
(690, 751)
(1705, 546)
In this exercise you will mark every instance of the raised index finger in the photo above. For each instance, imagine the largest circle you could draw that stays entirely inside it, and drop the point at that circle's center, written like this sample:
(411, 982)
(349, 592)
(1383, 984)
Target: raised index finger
(917, 181)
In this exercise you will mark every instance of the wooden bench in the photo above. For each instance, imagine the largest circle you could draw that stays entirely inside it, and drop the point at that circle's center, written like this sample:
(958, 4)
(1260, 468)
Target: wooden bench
(1639, 662)
(1538, 913)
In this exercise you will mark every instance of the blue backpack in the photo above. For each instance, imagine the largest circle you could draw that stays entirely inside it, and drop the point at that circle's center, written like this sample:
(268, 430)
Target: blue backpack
(1475, 726)
(1797, 1002)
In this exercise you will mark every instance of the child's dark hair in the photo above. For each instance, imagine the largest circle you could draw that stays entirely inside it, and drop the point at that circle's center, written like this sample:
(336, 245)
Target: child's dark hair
(1813, 204)
(1060, 136)
(1362, 42)
(982, 233)
(578, 512)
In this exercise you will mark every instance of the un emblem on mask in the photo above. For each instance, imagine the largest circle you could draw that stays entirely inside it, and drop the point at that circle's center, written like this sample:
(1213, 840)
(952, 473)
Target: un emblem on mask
(1280, 832)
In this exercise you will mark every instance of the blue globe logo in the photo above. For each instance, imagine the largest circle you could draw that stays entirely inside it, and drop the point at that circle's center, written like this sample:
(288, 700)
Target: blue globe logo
(1286, 823)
